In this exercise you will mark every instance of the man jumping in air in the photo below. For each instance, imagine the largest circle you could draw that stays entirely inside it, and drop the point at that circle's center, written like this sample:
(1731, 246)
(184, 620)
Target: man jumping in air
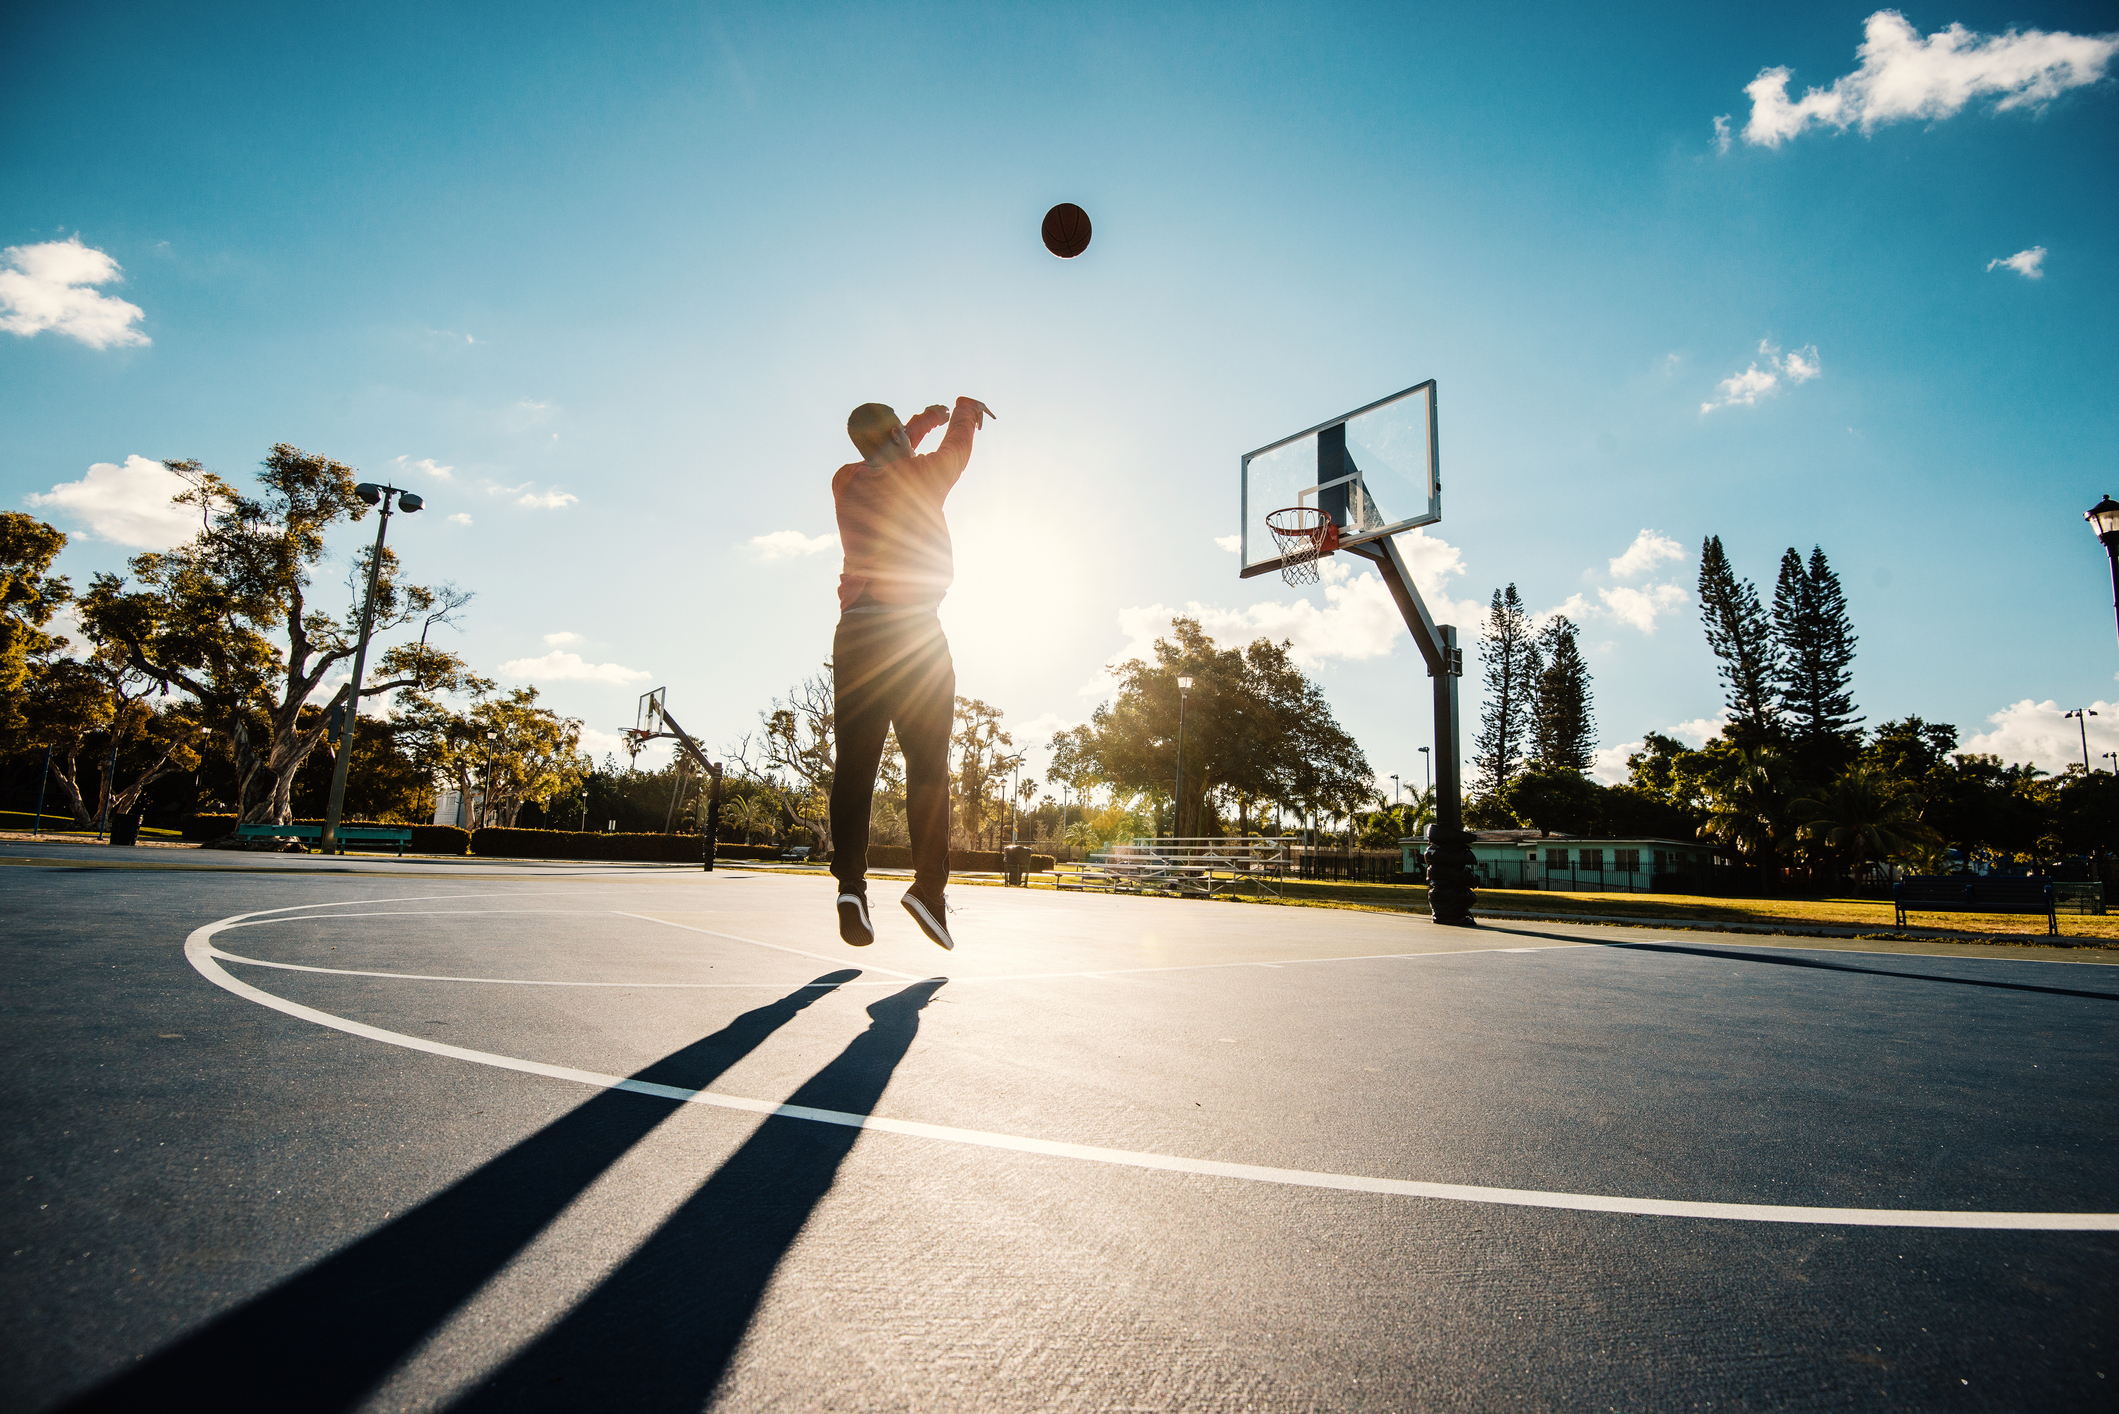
(889, 659)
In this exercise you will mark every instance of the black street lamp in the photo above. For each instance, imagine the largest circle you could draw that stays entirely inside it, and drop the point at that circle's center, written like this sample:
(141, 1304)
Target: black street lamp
(1427, 755)
(408, 502)
(2082, 726)
(2104, 520)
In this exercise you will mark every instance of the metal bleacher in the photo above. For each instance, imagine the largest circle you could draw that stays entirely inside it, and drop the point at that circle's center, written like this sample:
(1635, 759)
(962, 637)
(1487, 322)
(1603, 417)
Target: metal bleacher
(1184, 868)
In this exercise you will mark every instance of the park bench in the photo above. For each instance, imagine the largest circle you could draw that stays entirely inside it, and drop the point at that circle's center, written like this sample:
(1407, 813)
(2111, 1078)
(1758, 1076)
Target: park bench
(1969, 893)
(399, 835)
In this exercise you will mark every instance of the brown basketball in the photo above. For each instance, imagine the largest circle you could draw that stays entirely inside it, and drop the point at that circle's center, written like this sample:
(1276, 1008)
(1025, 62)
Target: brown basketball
(1066, 230)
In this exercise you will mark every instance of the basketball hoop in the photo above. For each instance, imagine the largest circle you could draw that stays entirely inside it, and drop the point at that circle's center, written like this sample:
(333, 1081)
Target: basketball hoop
(1302, 533)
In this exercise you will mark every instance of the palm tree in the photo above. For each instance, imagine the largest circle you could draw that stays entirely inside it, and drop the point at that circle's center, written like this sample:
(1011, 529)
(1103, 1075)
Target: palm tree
(1748, 817)
(1866, 813)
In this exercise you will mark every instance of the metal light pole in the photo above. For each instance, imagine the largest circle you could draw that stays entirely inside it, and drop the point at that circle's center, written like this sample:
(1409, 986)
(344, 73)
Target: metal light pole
(1427, 758)
(407, 501)
(44, 780)
(1394, 791)
(1177, 825)
(2113, 757)
(2082, 728)
(2104, 520)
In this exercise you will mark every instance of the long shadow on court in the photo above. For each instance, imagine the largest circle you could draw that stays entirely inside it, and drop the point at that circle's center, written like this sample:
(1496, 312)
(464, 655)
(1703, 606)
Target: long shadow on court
(1817, 965)
(323, 1339)
(658, 1333)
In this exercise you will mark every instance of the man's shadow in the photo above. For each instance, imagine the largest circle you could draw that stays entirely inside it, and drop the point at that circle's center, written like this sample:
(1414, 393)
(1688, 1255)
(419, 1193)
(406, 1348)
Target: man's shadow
(324, 1339)
(659, 1332)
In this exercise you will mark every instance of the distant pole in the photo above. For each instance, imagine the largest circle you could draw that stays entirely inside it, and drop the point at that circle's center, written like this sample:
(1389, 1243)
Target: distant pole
(1427, 757)
(37, 828)
(1177, 804)
(1394, 792)
(2082, 728)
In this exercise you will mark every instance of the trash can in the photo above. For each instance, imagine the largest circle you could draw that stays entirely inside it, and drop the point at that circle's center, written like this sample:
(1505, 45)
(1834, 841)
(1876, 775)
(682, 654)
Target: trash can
(1015, 865)
(124, 829)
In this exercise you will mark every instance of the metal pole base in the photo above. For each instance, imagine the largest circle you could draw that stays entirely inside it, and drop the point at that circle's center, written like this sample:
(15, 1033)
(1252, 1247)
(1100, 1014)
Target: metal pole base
(1450, 863)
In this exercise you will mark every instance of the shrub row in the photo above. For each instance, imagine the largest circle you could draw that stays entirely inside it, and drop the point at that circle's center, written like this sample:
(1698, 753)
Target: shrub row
(426, 839)
(961, 861)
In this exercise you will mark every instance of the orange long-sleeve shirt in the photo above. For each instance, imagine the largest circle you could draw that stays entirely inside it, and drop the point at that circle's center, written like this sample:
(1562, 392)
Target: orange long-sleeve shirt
(890, 518)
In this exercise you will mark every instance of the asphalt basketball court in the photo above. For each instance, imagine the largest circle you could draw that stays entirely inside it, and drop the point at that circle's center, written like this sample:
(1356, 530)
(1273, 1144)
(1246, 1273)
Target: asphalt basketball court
(302, 1134)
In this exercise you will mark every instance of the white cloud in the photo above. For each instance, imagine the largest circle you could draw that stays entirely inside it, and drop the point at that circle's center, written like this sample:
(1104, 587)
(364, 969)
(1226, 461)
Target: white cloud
(1607, 764)
(1904, 76)
(426, 465)
(599, 744)
(2028, 263)
(49, 286)
(459, 519)
(1231, 543)
(128, 504)
(1746, 388)
(1696, 732)
(2038, 733)
(791, 544)
(1721, 133)
(562, 638)
(547, 500)
(1649, 548)
(1639, 607)
(561, 666)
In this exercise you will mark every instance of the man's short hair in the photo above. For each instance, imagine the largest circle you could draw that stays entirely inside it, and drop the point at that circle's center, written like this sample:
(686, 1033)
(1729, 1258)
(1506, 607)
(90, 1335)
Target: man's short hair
(870, 426)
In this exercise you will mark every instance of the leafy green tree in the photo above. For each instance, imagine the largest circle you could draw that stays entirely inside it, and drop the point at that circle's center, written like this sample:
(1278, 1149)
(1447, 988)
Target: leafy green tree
(1741, 637)
(1865, 816)
(794, 756)
(1508, 649)
(1815, 640)
(227, 618)
(981, 774)
(1256, 729)
(1549, 799)
(1748, 814)
(29, 595)
(1563, 728)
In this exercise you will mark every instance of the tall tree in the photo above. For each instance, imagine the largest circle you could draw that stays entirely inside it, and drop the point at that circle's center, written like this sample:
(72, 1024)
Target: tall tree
(980, 747)
(29, 595)
(1563, 728)
(1742, 638)
(1815, 638)
(795, 757)
(227, 618)
(1256, 729)
(1508, 645)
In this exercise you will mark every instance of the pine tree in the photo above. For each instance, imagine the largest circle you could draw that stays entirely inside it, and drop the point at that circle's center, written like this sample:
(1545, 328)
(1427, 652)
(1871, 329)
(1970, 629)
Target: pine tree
(1742, 637)
(1510, 650)
(1563, 728)
(1816, 642)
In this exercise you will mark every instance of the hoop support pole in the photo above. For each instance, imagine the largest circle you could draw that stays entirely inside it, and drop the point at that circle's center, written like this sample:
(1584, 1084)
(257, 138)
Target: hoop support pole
(1450, 861)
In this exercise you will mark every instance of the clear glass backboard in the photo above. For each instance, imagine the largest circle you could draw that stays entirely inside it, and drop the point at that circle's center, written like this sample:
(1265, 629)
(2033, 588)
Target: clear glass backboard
(1372, 471)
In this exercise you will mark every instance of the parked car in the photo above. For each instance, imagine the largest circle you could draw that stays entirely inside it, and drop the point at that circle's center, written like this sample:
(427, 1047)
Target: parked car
(800, 851)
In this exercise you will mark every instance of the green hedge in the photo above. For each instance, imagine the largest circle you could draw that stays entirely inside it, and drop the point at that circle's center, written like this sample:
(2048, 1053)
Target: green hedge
(961, 861)
(426, 839)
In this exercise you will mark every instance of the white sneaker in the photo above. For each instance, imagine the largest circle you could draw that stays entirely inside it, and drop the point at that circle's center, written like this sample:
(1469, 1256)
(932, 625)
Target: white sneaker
(932, 918)
(854, 926)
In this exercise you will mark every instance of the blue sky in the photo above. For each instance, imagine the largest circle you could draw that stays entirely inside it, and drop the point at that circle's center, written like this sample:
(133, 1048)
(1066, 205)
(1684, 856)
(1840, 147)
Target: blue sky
(623, 273)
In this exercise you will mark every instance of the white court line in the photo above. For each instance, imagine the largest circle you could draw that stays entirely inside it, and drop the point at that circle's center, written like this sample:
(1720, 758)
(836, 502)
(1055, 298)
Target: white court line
(530, 981)
(199, 952)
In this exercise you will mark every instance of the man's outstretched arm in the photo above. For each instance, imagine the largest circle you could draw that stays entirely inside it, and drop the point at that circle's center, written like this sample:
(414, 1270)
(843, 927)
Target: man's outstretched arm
(946, 462)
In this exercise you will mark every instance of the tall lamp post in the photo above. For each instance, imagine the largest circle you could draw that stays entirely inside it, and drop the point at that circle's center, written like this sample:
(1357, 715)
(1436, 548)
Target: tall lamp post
(2104, 520)
(1427, 757)
(1184, 690)
(2082, 728)
(408, 502)
(1394, 791)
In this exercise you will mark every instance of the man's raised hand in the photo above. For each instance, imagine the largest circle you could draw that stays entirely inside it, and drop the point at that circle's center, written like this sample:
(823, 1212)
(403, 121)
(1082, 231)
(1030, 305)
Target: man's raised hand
(978, 419)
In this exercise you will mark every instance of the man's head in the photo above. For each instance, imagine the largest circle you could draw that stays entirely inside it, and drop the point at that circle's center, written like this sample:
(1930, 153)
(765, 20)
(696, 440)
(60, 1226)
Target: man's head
(873, 428)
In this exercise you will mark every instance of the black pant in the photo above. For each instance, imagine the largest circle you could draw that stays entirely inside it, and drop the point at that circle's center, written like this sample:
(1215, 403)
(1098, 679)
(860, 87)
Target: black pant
(892, 669)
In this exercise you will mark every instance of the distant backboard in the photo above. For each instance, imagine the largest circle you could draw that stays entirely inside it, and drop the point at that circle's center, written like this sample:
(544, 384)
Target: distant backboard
(1372, 471)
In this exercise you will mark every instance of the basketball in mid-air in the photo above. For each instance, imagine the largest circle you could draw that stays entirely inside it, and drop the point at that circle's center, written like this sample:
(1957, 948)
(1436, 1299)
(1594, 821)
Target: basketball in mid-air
(1066, 230)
